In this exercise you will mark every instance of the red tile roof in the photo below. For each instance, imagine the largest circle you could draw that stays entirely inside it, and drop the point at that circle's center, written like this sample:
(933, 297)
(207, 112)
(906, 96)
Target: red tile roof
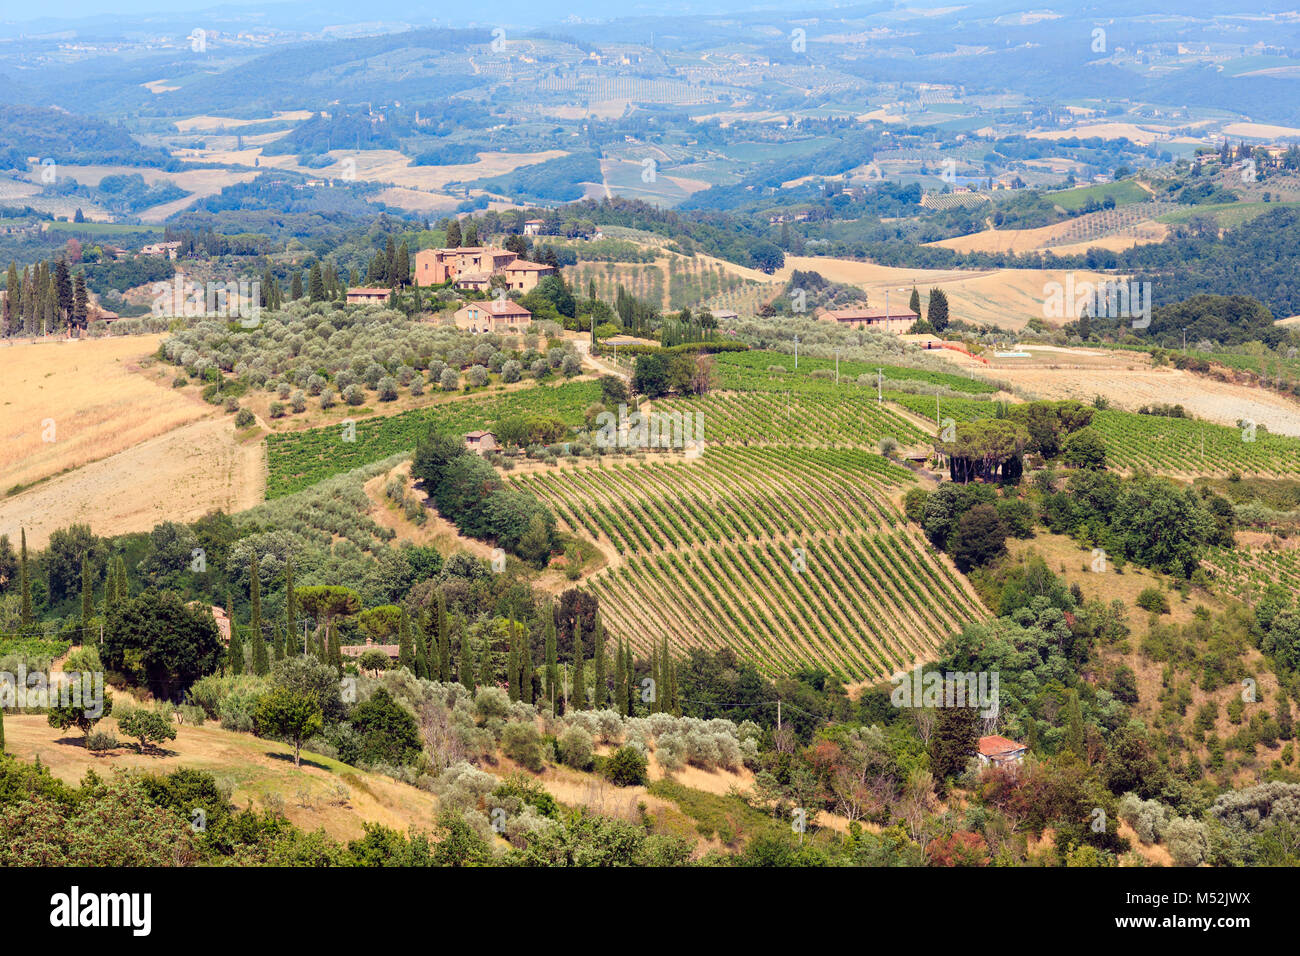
(862, 315)
(995, 746)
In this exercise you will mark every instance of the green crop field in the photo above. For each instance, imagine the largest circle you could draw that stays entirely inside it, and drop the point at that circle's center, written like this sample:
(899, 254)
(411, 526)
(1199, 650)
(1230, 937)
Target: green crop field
(299, 459)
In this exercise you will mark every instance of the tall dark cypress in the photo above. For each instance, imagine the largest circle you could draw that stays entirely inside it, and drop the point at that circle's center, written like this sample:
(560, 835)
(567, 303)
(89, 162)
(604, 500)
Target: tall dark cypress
(601, 696)
(25, 585)
(552, 661)
(512, 664)
(525, 664)
(291, 646)
(466, 661)
(335, 651)
(235, 652)
(87, 597)
(444, 640)
(630, 663)
(578, 695)
(487, 674)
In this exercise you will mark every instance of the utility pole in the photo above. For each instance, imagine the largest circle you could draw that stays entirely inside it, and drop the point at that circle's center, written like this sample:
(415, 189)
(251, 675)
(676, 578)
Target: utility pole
(880, 396)
(778, 714)
(837, 365)
(796, 352)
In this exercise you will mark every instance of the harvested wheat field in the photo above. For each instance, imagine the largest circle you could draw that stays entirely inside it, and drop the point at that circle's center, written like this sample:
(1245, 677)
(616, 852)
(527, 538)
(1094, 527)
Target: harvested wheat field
(70, 402)
(178, 476)
(1128, 381)
(1049, 237)
(320, 793)
(1006, 298)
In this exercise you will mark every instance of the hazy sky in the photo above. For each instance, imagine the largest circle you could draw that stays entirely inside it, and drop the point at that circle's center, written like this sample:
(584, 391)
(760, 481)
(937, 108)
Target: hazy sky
(349, 11)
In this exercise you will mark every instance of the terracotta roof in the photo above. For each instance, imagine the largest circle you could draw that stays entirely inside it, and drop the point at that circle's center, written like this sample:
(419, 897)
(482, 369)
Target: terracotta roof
(861, 315)
(363, 290)
(504, 307)
(523, 265)
(995, 746)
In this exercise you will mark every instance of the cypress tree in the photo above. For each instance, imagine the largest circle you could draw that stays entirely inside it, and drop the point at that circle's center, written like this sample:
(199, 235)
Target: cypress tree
(654, 679)
(277, 636)
(486, 672)
(525, 664)
(466, 661)
(254, 595)
(552, 661)
(421, 655)
(87, 596)
(13, 299)
(335, 652)
(405, 652)
(25, 578)
(261, 663)
(316, 284)
(513, 665)
(295, 286)
(631, 681)
(579, 693)
(444, 639)
(914, 303)
(290, 611)
(235, 655)
(601, 695)
(620, 692)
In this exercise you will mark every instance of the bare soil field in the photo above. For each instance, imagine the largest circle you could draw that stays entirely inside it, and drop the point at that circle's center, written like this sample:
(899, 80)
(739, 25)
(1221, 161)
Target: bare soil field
(69, 402)
(1006, 298)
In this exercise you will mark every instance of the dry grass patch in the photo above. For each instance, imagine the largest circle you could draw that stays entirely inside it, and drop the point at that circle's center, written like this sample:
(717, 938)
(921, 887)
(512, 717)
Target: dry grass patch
(71, 402)
(321, 793)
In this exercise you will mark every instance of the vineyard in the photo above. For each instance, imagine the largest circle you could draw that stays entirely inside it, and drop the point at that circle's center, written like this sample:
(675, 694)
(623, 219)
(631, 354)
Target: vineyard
(1134, 442)
(1246, 572)
(751, 371)
(1187, 446)
(796, 418)
(790, 556)
(299, 459)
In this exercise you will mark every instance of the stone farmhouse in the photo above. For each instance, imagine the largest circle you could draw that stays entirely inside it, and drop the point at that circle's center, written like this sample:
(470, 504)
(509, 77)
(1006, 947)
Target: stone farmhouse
(472, 267)
(493, 315)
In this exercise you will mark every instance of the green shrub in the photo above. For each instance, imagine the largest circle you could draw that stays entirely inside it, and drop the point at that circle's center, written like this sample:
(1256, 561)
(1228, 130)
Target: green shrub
(522, 743)
(626, 767)
(1153, 600)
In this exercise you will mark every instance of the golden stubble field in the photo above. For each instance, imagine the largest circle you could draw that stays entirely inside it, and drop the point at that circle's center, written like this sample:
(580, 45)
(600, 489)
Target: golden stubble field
(1006, 298)
(100, 439)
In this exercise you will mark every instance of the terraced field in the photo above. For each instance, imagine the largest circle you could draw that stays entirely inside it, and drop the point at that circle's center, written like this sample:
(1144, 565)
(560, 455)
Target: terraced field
(790, 556)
